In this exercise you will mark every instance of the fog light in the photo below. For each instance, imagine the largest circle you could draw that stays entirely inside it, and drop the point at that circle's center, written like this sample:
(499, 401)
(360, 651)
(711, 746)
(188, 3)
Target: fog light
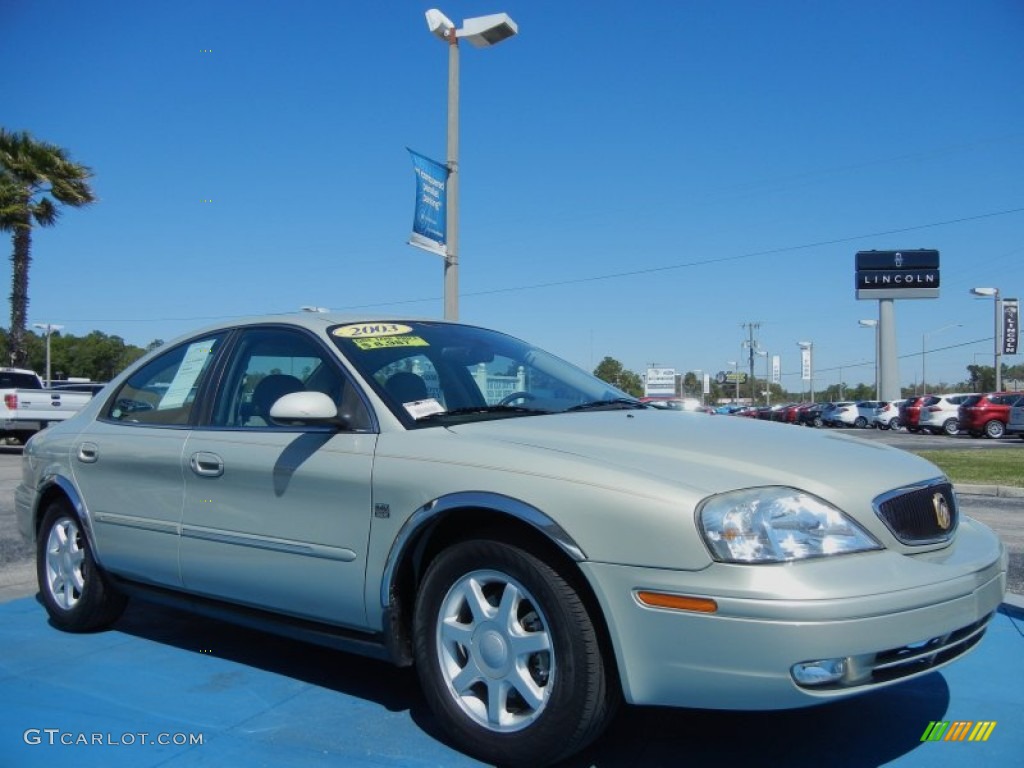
(820, 672)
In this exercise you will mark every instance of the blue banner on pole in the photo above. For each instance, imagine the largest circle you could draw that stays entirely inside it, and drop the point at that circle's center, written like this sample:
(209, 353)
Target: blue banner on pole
(429, 225)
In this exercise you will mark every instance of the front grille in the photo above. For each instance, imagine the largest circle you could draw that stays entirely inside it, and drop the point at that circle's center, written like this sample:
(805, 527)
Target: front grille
(921, 514)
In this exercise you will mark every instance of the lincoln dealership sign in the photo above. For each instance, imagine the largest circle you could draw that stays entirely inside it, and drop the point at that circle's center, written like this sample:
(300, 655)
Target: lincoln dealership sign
(898, 274)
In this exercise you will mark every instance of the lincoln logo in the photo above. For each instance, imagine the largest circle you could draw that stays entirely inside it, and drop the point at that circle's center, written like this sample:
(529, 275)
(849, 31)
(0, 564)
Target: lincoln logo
(899, 259)
(941, 511)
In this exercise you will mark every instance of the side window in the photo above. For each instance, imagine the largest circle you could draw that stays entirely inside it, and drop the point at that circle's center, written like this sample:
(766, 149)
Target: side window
(164, 390)
(269, 363)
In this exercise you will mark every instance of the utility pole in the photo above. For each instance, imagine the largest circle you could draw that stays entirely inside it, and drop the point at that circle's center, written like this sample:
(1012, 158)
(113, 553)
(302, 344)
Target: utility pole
(751, 345)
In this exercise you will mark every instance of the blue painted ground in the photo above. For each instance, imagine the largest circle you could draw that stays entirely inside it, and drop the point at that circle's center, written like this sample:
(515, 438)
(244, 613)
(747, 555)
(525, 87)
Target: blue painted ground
(258, 700)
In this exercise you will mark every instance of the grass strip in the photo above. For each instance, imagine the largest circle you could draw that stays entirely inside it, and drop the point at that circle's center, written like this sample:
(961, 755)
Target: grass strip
(978, 467)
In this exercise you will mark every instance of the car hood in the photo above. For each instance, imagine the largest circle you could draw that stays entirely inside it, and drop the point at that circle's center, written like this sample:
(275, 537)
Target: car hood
(704, 454)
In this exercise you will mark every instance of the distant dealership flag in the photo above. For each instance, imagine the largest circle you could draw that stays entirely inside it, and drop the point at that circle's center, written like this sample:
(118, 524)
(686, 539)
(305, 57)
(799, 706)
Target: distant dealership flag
(1011, 326)
(805, 363)
(428, 224)
(776, 369)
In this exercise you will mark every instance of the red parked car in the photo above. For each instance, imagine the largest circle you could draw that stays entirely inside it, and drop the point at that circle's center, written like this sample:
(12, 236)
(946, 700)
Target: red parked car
(910, 413)
(987, 414)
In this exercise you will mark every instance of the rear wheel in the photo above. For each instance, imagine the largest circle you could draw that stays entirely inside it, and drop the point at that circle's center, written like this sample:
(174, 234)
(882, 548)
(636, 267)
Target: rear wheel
(74, 590)
(894, 423)
(995, 429)
(951, 427)
(860, 422)
(508, 656)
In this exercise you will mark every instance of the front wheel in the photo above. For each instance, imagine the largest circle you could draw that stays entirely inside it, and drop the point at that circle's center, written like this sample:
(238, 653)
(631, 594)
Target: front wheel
(860, 422)
(995, 429)
(74, 590)
(508, 655)
(951, 427)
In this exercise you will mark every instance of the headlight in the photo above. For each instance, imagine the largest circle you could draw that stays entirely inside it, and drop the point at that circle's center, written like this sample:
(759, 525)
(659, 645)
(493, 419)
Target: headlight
(774, 525)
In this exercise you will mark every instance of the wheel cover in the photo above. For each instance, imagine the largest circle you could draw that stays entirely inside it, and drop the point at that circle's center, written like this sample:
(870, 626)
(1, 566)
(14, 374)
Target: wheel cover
(65, 563)
(494, 651)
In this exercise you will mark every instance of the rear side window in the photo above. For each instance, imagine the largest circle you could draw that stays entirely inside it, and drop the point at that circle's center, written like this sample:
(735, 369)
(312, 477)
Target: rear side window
(972, 400)
(164, 390)
(1004, 399)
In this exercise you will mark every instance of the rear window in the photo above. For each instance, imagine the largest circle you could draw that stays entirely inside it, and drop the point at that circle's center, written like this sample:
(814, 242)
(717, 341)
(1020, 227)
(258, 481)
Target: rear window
(18, 381)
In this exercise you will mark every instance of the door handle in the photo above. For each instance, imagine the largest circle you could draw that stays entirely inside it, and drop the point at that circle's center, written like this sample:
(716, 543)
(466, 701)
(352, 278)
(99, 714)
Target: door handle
(88, 453)
(206, 464)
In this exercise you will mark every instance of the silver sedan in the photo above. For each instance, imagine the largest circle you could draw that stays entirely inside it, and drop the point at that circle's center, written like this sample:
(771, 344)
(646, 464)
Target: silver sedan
(539, 545)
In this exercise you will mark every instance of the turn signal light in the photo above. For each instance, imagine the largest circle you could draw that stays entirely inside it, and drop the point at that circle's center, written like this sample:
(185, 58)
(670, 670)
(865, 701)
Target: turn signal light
(677, 602)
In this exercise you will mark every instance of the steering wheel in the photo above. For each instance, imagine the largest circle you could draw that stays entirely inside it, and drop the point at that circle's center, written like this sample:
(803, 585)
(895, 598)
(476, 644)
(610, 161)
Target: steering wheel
(512, 397)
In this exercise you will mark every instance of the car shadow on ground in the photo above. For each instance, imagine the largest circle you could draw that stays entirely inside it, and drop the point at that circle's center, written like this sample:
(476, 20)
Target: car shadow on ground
(866, 731)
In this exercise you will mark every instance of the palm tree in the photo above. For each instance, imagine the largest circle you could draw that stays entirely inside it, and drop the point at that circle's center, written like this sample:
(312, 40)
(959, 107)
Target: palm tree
(35, 178)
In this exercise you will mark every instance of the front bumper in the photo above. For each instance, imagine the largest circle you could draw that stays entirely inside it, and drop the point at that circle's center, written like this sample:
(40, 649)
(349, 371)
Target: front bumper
(912, 613)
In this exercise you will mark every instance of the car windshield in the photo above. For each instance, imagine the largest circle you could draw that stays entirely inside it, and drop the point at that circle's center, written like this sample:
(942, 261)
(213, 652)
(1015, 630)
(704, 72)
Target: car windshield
(437, 373)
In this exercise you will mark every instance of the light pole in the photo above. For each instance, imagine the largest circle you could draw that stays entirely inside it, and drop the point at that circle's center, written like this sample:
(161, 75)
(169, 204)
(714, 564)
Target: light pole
(807, 363)
(49, 328)
(873, 324)
(700, 383)
(481, 31)
(767, 374)
(924, 350)
(994, 294)
(736, 378)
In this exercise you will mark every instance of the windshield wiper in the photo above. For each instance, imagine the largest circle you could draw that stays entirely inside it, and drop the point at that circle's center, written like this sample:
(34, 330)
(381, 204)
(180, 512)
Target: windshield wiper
(482, 409)
(617, 403)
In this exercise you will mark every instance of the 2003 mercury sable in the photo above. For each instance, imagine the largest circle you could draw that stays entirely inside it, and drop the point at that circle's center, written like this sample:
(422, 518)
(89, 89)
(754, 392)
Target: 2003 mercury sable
(538, 544)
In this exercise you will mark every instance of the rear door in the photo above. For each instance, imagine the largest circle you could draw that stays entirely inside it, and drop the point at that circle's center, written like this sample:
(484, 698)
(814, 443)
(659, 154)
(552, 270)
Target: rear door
(128, 463)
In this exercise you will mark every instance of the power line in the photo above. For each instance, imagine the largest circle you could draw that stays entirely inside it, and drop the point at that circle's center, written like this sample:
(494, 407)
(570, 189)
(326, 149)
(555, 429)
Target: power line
(615, 275)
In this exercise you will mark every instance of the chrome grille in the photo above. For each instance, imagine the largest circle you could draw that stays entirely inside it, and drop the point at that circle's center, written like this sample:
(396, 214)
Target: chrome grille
(915, 515)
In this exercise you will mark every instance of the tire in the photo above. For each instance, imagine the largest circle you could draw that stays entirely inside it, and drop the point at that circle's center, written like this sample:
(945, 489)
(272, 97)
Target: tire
(74, 591)
(860, 422)
(951, 427)
(995, 429)
(817, 421)
(894, 424)
(556, 690)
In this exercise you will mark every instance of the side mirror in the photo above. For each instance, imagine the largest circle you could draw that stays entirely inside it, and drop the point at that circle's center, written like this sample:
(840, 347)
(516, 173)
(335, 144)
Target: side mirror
(300, 408)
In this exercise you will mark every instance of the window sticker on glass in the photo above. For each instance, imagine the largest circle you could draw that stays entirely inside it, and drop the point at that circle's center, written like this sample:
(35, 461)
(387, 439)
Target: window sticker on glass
(187, 375)
(420, 408)
(370, 330)
(390, 341)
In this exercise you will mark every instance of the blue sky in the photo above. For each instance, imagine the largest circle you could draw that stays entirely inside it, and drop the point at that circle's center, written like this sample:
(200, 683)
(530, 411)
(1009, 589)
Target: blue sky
(637, 180)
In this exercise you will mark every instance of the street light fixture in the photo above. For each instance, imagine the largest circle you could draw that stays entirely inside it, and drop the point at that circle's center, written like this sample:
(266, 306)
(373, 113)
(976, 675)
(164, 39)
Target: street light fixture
(924, 350)
(49, 328)
(481, 31)
(993, 293)
(873, 324)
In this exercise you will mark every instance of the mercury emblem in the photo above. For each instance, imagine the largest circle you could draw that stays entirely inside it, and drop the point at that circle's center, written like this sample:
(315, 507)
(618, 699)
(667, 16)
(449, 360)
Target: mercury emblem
(941, 508)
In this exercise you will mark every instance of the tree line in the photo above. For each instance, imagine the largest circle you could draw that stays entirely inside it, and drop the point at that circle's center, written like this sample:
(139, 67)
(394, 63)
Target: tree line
(96, 356)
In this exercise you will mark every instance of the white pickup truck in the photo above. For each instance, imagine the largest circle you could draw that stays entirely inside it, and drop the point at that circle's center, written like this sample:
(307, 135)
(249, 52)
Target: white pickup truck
(26, 406)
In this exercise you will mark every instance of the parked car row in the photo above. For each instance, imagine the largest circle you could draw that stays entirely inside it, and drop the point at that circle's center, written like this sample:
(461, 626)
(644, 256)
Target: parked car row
(976, 414)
